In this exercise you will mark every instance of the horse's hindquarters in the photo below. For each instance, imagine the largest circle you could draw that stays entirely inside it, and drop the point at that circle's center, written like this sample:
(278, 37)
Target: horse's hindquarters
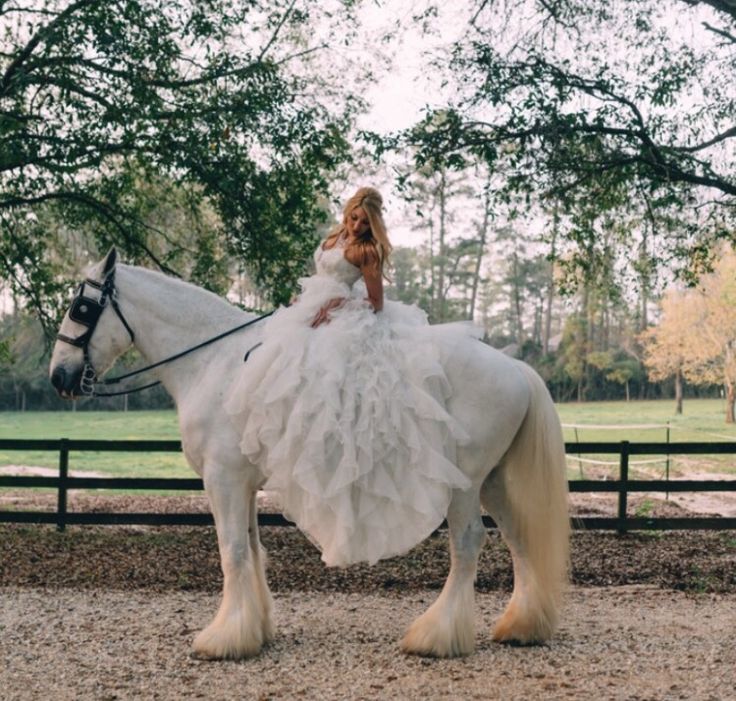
(490, 398)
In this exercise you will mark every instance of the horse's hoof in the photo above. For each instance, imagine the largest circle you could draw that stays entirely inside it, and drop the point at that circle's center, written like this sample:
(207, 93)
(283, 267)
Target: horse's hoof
(519, 627)
(428, 637)
(226, 643)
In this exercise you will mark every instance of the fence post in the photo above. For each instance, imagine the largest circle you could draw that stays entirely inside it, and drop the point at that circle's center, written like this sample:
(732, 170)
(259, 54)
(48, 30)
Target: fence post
(580, 462)
(623, 486)
(667, 467)
(63, 475)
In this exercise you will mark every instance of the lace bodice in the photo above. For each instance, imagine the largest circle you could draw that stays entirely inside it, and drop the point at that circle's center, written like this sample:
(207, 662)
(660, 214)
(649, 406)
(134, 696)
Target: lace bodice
(333, 264)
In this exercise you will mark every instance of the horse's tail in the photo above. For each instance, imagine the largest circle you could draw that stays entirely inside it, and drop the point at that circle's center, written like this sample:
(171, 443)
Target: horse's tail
(532, 502)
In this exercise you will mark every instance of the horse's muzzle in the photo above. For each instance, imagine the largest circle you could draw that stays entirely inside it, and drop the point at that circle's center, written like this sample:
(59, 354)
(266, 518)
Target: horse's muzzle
(67, 384)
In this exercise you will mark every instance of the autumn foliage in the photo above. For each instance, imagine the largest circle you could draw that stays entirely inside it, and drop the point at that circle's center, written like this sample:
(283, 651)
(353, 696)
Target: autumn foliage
(696, 338)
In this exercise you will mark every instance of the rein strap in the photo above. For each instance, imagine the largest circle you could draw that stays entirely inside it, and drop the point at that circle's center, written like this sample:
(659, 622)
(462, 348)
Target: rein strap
(176, 356)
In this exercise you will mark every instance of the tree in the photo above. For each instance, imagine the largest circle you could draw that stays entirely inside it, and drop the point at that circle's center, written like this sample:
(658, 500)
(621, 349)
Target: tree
(99, 96)
(697, 335)
(436, 195)
(410, 275)
(711, 353)
(616, 367)
(601, 105)
(665, 345)
(522, 277)
(574, 351)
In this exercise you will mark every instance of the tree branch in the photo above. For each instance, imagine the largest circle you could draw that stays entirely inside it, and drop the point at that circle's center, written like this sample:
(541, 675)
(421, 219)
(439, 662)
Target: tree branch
(699, 147)
(37, 38)
(275, 34)
(721, 32)
(110, 213)
(299, 54)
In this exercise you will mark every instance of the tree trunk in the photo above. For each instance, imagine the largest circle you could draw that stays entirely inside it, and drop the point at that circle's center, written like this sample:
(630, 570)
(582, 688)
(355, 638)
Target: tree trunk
(538, 311)
(643, 282)
(432, 273)
(628, 396)
(482, 236)
(550, 288)
(678, 391)
(730, 398)
(441, 272)
(516, 299)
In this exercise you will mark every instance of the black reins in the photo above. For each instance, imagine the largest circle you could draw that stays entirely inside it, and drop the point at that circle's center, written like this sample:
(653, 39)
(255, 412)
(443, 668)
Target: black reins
(87, 310)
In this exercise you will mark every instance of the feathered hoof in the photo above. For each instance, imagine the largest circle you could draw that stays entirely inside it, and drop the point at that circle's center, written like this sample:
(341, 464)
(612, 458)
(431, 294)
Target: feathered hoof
(433, 635)
(231, 641)
(519, 627)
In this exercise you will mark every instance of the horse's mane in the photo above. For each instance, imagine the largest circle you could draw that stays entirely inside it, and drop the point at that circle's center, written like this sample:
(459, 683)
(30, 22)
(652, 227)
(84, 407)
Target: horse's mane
(213, 305)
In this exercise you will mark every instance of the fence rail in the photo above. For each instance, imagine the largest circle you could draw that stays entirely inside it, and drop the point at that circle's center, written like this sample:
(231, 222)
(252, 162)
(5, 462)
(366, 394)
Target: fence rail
(623, 486)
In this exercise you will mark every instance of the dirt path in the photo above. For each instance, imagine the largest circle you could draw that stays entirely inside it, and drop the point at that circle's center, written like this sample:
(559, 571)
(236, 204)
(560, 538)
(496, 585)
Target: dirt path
(110, 612)
(615, 643)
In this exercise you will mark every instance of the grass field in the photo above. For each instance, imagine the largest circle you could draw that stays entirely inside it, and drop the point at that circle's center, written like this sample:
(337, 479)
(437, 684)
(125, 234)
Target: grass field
(703, 420)
(132, 425)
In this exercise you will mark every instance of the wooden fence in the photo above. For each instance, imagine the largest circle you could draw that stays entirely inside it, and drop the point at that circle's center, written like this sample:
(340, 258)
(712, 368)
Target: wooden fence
(623, 486)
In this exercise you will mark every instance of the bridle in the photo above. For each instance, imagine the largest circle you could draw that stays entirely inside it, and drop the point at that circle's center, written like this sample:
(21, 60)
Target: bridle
(87, 310)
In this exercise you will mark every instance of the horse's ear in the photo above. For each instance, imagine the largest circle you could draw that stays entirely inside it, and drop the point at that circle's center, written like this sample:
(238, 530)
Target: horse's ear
(109, 263)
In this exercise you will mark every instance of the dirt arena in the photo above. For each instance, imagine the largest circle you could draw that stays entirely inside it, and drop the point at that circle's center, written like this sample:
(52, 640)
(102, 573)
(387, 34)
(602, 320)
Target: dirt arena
(615, 643)
(110, 613)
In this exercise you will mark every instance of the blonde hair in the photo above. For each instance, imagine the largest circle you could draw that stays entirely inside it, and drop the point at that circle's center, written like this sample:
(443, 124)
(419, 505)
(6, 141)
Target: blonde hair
(373, 247)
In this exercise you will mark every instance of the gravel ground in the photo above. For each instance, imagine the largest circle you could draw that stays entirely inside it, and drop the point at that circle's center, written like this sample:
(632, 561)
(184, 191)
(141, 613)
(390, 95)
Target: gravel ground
(110, 613)
(615, 643)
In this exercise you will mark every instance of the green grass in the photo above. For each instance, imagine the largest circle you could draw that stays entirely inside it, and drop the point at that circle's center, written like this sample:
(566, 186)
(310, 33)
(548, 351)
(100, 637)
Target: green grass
(133, 425)
(703, 420)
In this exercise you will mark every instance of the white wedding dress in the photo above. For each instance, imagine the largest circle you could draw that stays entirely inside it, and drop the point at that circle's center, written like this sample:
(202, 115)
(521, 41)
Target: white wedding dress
(347, 421)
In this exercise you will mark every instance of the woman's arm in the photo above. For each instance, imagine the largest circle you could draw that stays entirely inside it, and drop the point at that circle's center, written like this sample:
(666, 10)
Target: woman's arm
(374, 285)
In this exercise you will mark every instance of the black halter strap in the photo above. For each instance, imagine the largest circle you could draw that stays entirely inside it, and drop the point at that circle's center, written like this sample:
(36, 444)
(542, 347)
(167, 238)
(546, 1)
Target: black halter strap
(86, 309)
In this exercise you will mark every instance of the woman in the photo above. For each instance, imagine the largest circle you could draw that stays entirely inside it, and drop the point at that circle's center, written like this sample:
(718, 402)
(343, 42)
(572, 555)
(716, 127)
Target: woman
(343, 405)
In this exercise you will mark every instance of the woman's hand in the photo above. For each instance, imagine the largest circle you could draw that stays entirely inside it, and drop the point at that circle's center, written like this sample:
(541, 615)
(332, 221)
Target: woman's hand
(323, 315)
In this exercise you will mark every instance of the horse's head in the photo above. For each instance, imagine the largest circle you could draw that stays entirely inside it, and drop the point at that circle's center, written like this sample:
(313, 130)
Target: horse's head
(93, 333)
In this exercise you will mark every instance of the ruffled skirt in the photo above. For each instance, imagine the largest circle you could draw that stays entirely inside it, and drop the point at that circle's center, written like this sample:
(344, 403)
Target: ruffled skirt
(348, 422)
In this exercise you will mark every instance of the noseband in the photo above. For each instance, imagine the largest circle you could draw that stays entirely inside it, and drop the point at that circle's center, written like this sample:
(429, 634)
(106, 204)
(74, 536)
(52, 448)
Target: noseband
(86, 309)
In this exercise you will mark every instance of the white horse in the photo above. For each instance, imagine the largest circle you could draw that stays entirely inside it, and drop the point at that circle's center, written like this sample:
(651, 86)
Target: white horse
(515, 459)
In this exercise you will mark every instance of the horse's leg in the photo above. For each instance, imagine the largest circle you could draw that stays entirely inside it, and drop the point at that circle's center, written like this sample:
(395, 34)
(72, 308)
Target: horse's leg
(447, 628)
(238, 630)
(525, 618)
(259, 563)
(527, 498)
